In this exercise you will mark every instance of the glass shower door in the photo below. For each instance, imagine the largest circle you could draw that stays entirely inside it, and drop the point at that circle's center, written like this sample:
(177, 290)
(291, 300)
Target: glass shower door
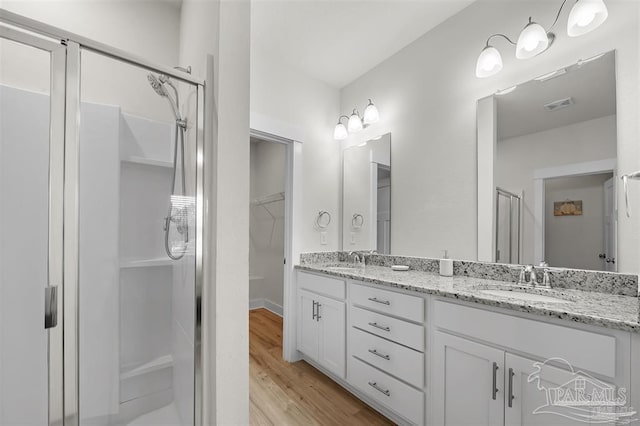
(32, 84)
(137, 235)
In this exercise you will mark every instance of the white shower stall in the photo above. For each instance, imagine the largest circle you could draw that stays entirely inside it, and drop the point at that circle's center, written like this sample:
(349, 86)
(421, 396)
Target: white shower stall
(88, 153)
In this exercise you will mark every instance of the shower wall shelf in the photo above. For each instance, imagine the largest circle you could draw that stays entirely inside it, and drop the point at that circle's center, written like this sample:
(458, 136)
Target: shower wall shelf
(146, 263)
(147, 161)
(149, 367)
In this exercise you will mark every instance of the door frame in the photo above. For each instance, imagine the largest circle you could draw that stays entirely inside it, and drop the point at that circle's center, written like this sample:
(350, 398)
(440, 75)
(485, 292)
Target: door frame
(57, 83)
(271, 131)
(609, 165)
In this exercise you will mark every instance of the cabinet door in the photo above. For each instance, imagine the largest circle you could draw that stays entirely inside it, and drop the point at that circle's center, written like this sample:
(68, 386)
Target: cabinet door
(533, 387)
(468, 387)
(307, 324)
(332, 351)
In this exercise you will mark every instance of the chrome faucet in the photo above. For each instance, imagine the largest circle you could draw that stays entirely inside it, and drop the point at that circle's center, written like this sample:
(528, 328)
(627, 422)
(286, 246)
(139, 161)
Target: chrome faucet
(546, 278)
(358, 258)
(528, 276)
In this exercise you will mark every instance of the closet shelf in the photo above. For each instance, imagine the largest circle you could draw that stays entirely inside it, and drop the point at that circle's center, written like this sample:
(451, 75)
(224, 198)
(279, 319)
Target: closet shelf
(268, 199)
(147, 161)
(145, 263)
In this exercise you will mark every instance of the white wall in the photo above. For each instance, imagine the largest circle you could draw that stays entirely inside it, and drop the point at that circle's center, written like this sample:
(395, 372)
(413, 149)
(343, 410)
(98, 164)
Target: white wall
(148, 29)
(518, 158)
(427, 96)
(266, 235)
(576, 241)
(309, 108)
(221, 29)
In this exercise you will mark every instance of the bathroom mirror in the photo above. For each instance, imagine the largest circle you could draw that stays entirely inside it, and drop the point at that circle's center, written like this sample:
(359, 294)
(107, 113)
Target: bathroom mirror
(547, 170)
(366, 196)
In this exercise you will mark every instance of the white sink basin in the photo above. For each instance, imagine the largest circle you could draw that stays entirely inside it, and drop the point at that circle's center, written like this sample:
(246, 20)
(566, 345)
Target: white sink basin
(342, 268)
(527, 297)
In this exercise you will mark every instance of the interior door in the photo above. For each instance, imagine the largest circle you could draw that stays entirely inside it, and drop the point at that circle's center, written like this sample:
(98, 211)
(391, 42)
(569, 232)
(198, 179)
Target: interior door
(610, 246)
(32, 102)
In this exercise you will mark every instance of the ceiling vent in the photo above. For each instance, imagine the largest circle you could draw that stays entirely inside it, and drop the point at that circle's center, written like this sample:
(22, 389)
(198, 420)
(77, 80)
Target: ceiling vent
(556, 105)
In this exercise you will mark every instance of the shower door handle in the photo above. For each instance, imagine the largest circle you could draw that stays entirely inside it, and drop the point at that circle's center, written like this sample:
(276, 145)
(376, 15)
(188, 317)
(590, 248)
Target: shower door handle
(50, 307)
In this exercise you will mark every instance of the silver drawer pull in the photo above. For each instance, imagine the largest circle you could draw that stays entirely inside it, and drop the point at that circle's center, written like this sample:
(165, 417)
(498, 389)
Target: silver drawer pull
(381, 327)
(379, 389)
(383, 302)
(376, 353)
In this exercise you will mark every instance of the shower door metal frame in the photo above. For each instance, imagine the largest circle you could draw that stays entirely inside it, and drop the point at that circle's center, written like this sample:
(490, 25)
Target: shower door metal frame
(65, 48)
(57, 54)
(512, 196)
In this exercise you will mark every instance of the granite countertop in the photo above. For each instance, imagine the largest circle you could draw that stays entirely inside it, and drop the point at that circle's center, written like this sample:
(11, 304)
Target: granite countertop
(587, 307)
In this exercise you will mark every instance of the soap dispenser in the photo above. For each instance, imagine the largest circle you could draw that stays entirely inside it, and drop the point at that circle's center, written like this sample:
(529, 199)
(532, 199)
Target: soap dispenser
(446, 265)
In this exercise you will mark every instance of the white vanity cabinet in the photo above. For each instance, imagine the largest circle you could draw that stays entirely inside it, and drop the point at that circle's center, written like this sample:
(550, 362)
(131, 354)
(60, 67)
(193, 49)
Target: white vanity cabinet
(489, 384)
(321, 321)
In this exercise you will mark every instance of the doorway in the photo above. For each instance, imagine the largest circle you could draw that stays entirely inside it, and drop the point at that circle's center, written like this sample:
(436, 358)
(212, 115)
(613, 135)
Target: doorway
(267, 223)
(579, 222)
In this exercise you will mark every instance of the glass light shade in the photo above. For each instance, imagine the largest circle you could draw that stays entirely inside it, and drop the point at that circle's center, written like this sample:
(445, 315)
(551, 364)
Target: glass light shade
(489, 62)
(586, 16)
(533, 40)
(355, 123)
(371, 114)
(340, 132)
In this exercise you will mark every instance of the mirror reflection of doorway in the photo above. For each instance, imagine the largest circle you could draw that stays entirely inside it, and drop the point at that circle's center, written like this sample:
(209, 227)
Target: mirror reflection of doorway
(583, 237)
(383, 217)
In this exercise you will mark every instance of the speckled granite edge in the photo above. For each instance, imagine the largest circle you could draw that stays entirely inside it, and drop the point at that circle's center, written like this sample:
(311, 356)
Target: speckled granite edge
(601, 282)
(610, 311)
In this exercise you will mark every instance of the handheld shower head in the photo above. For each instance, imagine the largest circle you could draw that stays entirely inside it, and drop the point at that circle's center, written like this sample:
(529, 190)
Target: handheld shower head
(157, 85)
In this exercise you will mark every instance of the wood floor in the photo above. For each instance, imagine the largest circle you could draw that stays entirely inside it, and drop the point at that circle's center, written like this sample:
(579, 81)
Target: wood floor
(295, 394)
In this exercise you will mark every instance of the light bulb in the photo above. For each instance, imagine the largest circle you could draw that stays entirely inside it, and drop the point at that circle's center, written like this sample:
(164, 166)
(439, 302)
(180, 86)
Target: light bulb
(532, 41)
(355, 123)
(586, 16)
(340, 132)
(371, 114)
(489, 62)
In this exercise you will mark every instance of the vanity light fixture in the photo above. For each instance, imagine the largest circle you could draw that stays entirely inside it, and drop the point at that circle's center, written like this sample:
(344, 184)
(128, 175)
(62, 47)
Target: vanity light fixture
(585, 16)
(355, 123)
(533, 40)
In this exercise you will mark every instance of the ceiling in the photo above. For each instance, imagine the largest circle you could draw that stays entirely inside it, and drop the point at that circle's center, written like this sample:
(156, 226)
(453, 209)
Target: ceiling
(337, 41)
(592, 86)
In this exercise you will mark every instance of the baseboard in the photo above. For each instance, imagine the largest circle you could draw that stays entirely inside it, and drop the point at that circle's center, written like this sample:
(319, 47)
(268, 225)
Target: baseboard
(265, 304)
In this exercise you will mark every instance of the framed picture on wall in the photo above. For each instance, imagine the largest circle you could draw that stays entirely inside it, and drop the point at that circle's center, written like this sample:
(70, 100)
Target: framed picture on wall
(567, 208)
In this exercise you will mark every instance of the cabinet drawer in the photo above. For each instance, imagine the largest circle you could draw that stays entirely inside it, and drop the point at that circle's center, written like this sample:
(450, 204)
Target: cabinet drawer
(583, 349)
(403, 332)
(384, 389)
(399, 361)
(389, 302)
(329, 286)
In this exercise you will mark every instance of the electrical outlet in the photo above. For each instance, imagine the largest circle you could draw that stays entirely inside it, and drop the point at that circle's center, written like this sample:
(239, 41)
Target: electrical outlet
(323, 238)
(353, 238)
